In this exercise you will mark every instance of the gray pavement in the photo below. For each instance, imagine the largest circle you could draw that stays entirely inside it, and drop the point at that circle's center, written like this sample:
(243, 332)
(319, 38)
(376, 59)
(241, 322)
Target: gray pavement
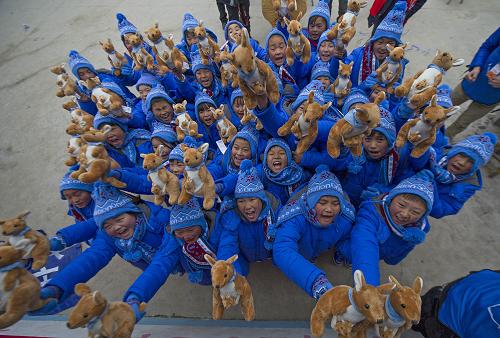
(36, 35)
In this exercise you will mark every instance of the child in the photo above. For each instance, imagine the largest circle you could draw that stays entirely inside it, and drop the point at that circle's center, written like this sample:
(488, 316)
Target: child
(81, 207)
(206, 121)
(165, 136)
(389, 226)
(276, 43)
(189, 23)
(186, 242)
(370, 56)
(122, 144)
(134, 232)
(237, 108)
(457, 174)
(176, 162)
(232, 34)
(244, 146)
(309, 225)
(159, 106)
(145, 84)
(245, 219)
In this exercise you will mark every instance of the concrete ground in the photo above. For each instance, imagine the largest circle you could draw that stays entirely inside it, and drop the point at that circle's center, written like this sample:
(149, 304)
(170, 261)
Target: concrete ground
(36, 35)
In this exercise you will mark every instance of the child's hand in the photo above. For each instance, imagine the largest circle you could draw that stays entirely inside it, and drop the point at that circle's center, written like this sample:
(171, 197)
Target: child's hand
(494, 81)
(473, 74)
(134, 303)
(57, 243)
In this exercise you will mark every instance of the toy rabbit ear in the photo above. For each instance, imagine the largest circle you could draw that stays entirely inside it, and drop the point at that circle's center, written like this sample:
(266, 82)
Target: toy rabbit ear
(359, 280)
(183, 147)
(209, 259)
(389, 47)
(157, 24)
(82, 289)
(287, 21)
(434, 100)
(171, 36)
(142, 155)
(310, 97)
(245, 39)
(458, 62)
(106, 128)
(23, 214)
(98, 298)
(452, 111)
(101, 43)
(109, 40)
(386, 288)
(326, 106)
(203, 148)
(438, 52)
(221, 107)
(200, 23)
(184, 103)
(395, 281)
(380, 97)
(418, 284)
(232, 259)
(404, 45)
(299, 16)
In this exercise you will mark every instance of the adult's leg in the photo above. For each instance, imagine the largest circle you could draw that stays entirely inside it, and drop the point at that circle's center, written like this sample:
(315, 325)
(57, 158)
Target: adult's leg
(232, 12)
(222, 13)
(342, 7)
(244, 7)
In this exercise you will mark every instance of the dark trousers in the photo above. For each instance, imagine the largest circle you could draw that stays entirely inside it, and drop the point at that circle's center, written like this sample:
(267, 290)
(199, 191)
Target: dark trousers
(231, 14)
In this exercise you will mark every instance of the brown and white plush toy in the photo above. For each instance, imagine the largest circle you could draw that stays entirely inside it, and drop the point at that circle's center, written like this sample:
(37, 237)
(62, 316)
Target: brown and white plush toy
(66, 84)
(101, 317)
(142, 58)
(19, 289)
(184, 124)
(249, 116)
(209, 51)
(342, 85)
(297, 43)
(255, 77)
(390, 70)
(229, 289)
(75, 144)
(421, 131)
(115, 58)
(107, 101)
(33, 243)
(197, 181)
(348, 307)
(345, 29)
(276, 10)
(422, 86)
(163, 182)
(166, 54)
(226, 129)
(228, 72)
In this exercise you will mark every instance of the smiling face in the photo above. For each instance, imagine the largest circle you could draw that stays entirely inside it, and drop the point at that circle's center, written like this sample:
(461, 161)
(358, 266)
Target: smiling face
(325, 81)
(250, 208)
(276, 159)
(239, 107)
(115, 137)
(276, 50)
(327, 208)
(375, 145)
(326, 51)
(162, 110)
(205, 114)
(77, 198)
(460, 164)
(189, 235)
(204, 77)
(406, 209)
(167, 147)
(85, 73)
(190, 37)
(379, 47)
(234, 32)
(144, 91)
(122, 226)
(316, 26)
(240, 151)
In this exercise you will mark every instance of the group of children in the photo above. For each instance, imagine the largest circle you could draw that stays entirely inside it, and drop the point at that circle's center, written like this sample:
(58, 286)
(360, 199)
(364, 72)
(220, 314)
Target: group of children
(370, 208)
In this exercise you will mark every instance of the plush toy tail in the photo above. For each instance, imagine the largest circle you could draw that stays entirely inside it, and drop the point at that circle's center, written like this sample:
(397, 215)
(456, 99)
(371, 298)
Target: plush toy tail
(10, 318)
(318, 319)
(142, 307)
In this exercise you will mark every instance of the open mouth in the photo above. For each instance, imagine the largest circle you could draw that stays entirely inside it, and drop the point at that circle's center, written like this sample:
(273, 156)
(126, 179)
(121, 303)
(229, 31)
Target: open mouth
(277, 165)
(250, 215)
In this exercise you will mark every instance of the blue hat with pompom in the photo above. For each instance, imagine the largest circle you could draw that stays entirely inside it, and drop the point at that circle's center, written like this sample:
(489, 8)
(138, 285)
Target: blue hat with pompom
(125, 26)
(76, 61)
(478, 147)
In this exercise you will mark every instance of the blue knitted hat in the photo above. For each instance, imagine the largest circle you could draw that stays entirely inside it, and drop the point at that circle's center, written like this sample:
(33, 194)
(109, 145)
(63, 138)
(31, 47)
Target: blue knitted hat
(176, 154)
(274, 31)
(249, 184)
(387, 126)
(325, 183)
(68, 183)
(321, 68)
(125, 26)
(164, 132)
(251, 135)
(188, 22)
(236, 93)
(196, 63)
(147, 79)
(114, 88)
(478, 147)
(420, 185)
(444, 96)
(392, 25)
(157, 92)
(200, 98)
(355, 96)
(323, 38)
(315, 86)
(100, 120)
(77, 61)
(323, 10)
(110, 203)
(226, 28)
(187, 215)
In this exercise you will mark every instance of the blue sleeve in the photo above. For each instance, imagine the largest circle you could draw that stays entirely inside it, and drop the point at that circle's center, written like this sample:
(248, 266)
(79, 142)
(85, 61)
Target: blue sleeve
(85, 266)
(365, 246)
(215, 168)
(138, 119)
(136, 183)
(485, 50)
(451, 202)
(88, 106)
(324, 127)
(229, 182)
(272, 119)
(185, 89)
(312, 158)
(228, 243)
(78, 232)
(259, 51)
(155, 275)
(288, 259)
(302, 72)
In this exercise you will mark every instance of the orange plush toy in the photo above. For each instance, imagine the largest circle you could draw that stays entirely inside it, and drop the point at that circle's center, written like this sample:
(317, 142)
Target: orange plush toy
(142, 59)
(209, 51)
(106, 100)
(226, 129)
(184, 124)
(390, 70)
(115, 58)
(249, 116)
(66, 84)
(353, 126)
(33, 243)
(304, 125)
(255, 76)
(345, 29)
(421, 131)
(101, 317)
(297, 43)
(166, 54)
(347, 307)
(228, 72)
(19, 289)
(75, 144)
(342, 85)
(197, 179)
(229, 289)
(422, 86)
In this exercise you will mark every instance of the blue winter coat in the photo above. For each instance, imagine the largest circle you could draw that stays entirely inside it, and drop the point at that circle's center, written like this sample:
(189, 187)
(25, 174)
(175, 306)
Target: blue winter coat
(298, 243)
(487, 56)
(245, 239)
(142, 146)
(103, 249)
(84, 229)
(187, 90)
(372, 240)
(138, 119)
(472, 306)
